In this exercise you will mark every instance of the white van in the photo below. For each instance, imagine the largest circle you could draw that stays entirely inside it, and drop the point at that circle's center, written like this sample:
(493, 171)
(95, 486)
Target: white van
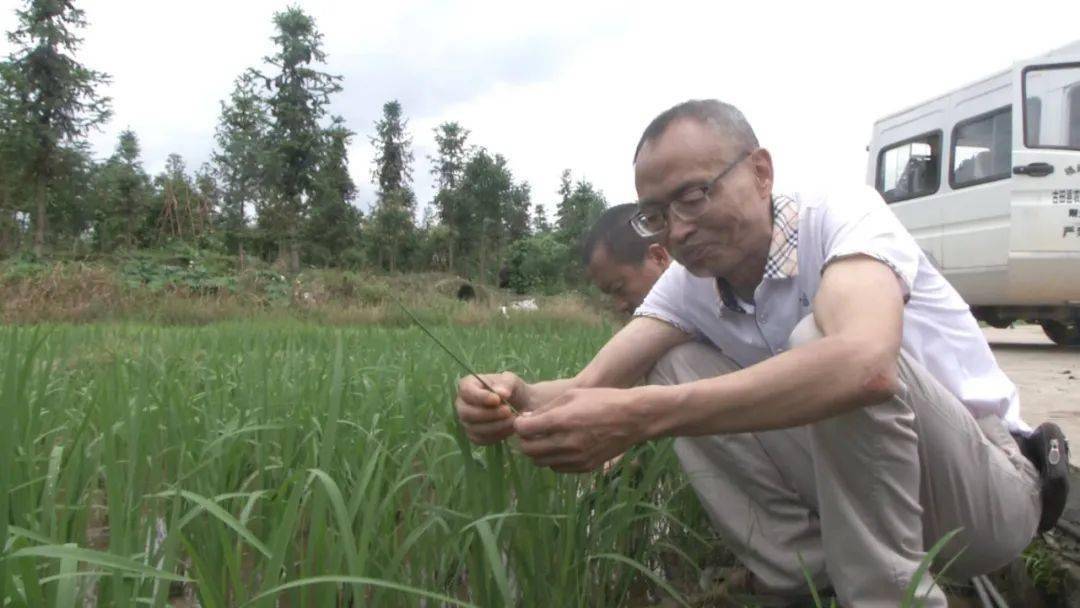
(987, 179)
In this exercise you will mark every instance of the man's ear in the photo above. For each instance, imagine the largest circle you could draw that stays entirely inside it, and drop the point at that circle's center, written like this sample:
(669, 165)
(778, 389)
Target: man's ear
(763, 171)
(658, 254)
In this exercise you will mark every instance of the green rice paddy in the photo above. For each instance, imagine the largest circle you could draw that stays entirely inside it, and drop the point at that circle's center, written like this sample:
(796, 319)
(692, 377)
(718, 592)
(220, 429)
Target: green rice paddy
(295, 465)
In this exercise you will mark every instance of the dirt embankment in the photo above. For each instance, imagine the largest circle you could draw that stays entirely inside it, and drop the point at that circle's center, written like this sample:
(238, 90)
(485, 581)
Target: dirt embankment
(196, 292)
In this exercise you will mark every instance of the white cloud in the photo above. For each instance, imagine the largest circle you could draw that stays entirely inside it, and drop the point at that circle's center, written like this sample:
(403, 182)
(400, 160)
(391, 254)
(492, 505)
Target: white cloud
(568, 84)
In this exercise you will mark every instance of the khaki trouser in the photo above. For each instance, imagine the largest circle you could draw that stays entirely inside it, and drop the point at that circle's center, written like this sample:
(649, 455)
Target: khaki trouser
(856, 500)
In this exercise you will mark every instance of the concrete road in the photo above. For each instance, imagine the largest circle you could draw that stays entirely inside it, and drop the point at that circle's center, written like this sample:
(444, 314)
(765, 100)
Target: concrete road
(1048, 377)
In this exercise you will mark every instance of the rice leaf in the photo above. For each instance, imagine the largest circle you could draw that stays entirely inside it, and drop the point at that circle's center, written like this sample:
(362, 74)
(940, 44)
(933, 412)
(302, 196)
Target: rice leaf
(224, 517)
(109, 561)
(924, 569)
(360, 580)
(495, 562)
(65, 590)
(648, 573)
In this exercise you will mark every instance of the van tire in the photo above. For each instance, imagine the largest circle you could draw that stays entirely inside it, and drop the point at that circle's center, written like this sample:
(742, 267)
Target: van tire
(1063, 334)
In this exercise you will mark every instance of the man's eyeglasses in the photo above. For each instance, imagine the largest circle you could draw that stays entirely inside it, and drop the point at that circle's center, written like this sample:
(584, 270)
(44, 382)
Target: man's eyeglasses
(652, 218)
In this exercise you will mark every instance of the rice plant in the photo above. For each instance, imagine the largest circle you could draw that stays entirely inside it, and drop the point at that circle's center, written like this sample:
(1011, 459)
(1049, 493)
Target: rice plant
(263, 465)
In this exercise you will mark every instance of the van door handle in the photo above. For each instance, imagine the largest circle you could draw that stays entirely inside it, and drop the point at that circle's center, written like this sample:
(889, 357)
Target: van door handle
(1034, 169)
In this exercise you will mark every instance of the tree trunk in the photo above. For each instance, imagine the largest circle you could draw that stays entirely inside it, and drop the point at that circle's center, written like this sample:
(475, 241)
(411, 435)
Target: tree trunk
(240, 237)
(294, 239)
(129, 227)
(7, 220)
(17, 228)
(483, 261)
(40, 218)
(450, 255)
(283, 254)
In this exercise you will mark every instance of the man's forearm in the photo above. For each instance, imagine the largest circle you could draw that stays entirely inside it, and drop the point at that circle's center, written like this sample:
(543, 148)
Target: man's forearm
(621, 363)
(822, 379)
(541, 393)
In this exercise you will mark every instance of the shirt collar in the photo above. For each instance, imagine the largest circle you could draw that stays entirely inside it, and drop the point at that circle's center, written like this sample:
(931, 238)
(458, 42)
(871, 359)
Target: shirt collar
(783, 260)
(727, 297)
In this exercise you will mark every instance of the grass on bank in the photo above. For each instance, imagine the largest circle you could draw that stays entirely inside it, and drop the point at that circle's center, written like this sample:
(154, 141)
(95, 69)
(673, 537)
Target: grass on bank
(189, 287)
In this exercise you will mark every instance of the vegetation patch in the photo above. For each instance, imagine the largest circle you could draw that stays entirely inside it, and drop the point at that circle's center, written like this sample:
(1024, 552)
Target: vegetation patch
(193, 287)
(249, 463)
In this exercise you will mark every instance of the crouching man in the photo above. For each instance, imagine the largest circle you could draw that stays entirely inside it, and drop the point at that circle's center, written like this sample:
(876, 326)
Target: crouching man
(894, 419)
(625, 266)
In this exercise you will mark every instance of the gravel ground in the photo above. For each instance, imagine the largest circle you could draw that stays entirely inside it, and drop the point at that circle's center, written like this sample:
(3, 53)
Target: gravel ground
(1048, 377)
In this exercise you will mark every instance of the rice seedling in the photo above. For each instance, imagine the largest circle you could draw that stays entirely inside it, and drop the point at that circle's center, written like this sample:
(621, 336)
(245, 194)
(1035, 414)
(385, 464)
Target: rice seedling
(296, 465)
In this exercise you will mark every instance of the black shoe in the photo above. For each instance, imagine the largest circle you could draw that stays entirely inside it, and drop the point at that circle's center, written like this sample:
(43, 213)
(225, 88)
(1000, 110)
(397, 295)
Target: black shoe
(1048, 450)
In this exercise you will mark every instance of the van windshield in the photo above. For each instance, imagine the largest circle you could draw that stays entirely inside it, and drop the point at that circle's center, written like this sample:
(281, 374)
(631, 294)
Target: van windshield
(1052, 106)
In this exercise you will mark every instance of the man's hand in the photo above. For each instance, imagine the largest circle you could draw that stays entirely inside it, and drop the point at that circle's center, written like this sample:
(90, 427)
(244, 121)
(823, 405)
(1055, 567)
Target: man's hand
(485, 417)
(624, 359)
(582, 429)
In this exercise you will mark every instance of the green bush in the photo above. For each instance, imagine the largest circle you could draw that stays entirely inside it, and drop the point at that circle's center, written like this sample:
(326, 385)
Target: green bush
(318, 255)
(371, 292)
(25, 266)
(179, 268)
(537, 265)
(353, 258)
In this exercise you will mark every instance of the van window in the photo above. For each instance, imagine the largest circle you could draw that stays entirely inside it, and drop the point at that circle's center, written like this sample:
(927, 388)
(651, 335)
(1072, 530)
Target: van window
(1032, 120)
(910, 169)
(1058, 87)
(982, 149)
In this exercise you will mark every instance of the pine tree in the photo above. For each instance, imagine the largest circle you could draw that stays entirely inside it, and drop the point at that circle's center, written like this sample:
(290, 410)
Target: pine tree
(13, 144)
(55, 96)
(207, 205)
(564, 211)
(517, 212)
(172, 209)
(580, 205)
(69, 214)
(486, 190)
(298, 100)
(392, 226)
(447, 167)
(124, 188)
(239, 160)
(540, 224)
(334, 223)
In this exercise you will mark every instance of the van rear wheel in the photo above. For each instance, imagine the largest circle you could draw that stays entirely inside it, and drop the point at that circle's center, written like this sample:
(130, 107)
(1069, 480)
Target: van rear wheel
(1063, 334)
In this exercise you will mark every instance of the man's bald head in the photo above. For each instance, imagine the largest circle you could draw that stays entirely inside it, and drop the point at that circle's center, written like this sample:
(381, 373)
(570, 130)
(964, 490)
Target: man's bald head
(728, 121)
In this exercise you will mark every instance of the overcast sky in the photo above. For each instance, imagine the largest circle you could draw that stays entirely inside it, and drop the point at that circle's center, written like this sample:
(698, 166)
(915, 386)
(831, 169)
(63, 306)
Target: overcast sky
(554, 85)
